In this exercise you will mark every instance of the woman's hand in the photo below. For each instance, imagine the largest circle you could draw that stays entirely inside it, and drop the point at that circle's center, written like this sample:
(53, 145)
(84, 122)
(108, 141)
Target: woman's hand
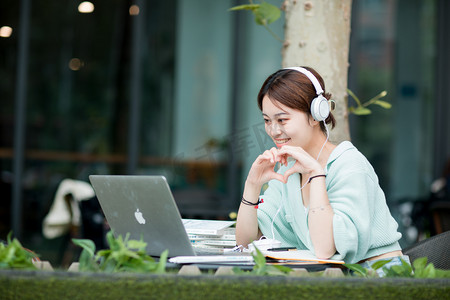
(305, 163)
(262, 169)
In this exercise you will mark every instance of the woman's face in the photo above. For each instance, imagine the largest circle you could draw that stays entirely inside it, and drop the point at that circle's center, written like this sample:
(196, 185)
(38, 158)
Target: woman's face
(286, 126)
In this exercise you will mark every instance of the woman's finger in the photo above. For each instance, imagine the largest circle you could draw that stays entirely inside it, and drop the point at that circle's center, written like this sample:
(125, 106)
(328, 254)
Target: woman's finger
(278, 177)
(289, 172)
(266, 156)
(274, 152)
(289, 150)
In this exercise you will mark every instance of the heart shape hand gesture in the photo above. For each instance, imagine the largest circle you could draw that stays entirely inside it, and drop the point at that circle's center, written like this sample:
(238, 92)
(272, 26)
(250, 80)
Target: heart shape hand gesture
(262, 169)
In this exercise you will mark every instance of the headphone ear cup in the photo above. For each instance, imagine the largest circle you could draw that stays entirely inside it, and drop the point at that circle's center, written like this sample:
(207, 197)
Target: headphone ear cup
(320, 109)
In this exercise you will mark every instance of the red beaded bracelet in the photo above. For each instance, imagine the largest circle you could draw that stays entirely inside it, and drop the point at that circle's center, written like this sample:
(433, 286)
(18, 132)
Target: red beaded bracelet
(246, 202)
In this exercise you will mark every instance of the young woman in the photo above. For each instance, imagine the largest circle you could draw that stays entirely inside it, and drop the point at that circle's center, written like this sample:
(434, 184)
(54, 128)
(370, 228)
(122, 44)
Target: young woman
(323, 198)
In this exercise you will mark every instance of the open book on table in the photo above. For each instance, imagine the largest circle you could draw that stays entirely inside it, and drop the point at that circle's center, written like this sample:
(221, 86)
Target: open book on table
(283, 257)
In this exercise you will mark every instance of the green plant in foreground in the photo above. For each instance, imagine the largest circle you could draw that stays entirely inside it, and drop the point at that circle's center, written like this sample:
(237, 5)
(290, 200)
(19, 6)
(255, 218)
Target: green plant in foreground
(262, 268)
(419, 269)
(14, 256)
(123, 255)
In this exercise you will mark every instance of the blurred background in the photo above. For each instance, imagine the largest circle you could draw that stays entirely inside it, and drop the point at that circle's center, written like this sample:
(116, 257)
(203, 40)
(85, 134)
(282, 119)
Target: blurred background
(169, 87)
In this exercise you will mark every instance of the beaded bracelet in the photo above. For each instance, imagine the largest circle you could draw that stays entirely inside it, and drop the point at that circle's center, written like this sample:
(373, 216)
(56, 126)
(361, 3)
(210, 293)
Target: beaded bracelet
(246, 202)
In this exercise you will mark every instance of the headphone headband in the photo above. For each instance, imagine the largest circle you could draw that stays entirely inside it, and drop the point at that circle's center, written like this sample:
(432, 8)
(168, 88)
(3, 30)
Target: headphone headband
(311, 77)
(319, 106)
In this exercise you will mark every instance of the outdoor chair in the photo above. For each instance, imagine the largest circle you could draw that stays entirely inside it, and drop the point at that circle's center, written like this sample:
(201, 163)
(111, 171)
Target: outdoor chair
(435, 248)
(440, 211)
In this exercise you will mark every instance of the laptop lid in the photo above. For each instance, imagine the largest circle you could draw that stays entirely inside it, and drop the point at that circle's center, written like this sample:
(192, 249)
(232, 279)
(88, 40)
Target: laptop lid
(143, 206)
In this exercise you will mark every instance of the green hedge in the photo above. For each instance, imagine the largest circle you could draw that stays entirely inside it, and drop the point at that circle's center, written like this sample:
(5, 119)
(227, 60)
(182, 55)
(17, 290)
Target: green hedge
(67, 285)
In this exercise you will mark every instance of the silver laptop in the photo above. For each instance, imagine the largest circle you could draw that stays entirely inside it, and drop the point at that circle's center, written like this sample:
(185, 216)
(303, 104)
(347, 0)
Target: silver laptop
(144, 207)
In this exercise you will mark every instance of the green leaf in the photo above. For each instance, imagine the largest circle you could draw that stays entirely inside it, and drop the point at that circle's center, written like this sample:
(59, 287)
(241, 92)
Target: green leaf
(357, 269)
(134, 244)
(259, 19)
(260, 262)
(8, 238)
(360, 111)
(87, 256)
(350, 92)
(361, 108)
(115, 244)
(395, 270)
(421, 269)
(238, 271)
(380, 95)
(407, 266)
(403, 270)
(14, 256)
(383, 104)
(258, 257)
(86, 244)
(251, 7)
(105, 252)
(266, 13)
(261, 267)
(442, 273)
(419, 264)
(161, 267)
(380, 263)
(109, 266)
(429, 271)
(278, 270)
(130, 253)
(124, 255)
(87, 262)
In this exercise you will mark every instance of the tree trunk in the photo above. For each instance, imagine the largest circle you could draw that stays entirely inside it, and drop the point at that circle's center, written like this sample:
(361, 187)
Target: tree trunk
(317, 34)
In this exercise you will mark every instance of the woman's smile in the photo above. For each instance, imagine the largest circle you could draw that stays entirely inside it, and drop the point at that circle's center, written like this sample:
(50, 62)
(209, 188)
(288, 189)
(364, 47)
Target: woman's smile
(281, 142)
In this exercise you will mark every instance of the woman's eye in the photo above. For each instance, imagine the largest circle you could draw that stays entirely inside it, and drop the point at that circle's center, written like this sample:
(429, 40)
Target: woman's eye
(266, 121)
(281, 121)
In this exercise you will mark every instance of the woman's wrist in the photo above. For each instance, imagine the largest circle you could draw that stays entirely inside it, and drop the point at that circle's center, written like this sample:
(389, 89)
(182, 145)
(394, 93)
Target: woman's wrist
(316, 176)
(253, 186)
(251, 194)
(315, 172)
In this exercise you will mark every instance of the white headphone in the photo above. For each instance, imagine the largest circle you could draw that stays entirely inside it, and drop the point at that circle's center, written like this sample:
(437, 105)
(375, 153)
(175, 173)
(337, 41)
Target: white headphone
(319, 106)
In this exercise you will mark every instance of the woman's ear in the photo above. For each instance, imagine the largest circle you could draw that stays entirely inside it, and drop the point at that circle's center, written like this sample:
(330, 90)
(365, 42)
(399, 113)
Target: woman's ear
(313, 122)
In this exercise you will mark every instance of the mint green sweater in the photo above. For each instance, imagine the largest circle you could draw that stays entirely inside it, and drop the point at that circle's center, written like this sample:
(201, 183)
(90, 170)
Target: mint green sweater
(363, 227)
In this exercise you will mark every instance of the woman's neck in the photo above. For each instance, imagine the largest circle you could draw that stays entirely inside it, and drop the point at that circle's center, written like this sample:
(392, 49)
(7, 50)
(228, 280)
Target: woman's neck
(321, 150)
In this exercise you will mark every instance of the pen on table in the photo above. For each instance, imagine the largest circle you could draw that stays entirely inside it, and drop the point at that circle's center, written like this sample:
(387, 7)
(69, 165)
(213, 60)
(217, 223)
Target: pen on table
(282, 249)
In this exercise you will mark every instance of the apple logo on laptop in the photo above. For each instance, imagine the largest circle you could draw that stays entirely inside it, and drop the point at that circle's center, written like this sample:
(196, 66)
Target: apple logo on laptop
(139, 217)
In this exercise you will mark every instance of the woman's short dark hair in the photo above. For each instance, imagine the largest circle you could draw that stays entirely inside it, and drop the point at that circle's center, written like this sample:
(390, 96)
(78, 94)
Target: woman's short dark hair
(294, 90)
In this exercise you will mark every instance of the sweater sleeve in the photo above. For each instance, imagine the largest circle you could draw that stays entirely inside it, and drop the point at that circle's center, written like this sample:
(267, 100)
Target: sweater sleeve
(272, 216)
(352, 196)
(266, 211)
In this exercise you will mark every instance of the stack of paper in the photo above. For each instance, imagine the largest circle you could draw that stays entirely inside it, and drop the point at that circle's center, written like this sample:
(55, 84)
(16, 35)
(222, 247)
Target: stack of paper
(211, 235)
